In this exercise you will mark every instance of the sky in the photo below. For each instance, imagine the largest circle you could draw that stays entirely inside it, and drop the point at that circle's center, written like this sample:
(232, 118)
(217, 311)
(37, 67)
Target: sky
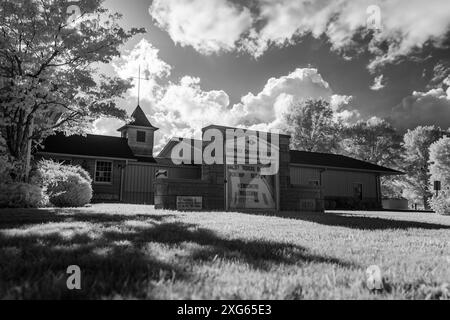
(243, 63)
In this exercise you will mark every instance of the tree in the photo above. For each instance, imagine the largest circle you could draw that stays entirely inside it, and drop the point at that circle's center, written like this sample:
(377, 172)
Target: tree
(416, 157)
(374, 140)
(310, 123)
(47, 67)
(440, 171)
(440, 162)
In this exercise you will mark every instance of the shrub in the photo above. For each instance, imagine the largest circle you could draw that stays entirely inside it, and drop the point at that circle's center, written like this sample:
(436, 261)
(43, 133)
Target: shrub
(66, 186)
(22, 195)
(441, 203)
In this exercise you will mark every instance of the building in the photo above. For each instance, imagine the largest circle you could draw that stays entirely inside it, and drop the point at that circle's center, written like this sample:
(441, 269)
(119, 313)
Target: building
(124, 169)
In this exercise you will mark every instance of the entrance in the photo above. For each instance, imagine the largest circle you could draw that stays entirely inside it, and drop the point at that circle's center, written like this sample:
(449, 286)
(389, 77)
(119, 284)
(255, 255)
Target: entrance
(248, 189)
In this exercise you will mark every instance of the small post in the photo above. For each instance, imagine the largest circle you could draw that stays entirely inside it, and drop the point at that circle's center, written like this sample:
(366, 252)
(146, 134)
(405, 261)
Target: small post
(139, 85)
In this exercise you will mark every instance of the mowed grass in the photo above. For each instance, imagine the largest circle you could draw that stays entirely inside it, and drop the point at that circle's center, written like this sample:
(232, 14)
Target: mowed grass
(137, 252)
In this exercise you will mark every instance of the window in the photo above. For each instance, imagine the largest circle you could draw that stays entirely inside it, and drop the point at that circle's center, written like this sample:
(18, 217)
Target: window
(140, 136)
(358, 191)
(103, 172)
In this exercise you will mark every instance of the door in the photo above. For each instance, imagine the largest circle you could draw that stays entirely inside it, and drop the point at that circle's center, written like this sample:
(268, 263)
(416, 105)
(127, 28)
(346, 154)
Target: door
(248, 189)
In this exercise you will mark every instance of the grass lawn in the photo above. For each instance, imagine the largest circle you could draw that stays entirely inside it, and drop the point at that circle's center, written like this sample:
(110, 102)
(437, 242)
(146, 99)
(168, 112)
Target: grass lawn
(127, 251)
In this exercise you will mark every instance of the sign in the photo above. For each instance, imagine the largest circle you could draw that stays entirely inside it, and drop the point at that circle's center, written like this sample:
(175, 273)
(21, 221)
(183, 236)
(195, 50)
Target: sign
(248, 189)
(437, 186)
(189, 203)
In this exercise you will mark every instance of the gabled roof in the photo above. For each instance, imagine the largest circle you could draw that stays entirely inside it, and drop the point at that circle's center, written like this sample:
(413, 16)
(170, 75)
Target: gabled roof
(327, 160)
(90, 145)
(139, 119)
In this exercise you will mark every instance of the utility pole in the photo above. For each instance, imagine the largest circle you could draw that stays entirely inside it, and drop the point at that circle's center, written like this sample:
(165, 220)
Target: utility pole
(139, 85)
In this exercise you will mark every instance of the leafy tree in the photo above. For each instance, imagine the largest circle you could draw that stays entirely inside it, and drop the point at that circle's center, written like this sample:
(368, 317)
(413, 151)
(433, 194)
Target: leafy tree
(415, 158)
(374, 140)
(440, 162)
(440, 171)
(48, 68)
(310, 123)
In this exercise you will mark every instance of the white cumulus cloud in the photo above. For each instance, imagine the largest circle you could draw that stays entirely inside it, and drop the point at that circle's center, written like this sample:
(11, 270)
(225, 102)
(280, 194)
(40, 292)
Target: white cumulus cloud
(208, 26)
(219, 25)
(378, 83)
(145, 57)
(183, 108)
(423, 108)
(186, 108)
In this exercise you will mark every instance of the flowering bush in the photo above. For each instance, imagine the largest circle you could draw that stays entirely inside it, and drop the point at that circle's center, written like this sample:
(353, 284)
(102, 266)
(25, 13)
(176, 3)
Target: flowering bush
(66, 186)
(22, 195)
(441, 203)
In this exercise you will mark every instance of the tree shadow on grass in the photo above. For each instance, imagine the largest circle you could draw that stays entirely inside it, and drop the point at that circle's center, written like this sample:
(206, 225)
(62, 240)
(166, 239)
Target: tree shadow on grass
(27, 217)
(259, 254)
(34, 260)
(354, 221)
(120, 257)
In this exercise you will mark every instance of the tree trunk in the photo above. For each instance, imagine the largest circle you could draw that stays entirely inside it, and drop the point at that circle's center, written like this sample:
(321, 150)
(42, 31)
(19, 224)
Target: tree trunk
(17, 137)
(425, 203)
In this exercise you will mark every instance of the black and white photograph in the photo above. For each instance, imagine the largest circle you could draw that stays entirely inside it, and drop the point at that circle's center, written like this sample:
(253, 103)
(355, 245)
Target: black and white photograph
(252, 152)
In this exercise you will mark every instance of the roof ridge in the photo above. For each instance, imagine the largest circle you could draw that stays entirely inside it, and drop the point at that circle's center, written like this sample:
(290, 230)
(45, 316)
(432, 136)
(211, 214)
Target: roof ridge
(325, 158)
(139, 118)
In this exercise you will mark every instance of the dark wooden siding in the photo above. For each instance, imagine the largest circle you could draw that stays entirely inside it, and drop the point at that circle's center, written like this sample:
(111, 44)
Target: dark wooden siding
(336, 183)
(138, 182)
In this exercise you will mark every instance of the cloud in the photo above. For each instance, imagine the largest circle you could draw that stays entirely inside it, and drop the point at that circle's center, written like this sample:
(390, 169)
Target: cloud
(378, 83)
(208, 26)
(423, 108)
(107, 126)
(145, 56)
(218, 25)
(268, 106)
(404, 26)
(182, 108)
(340, 105)
(185, 108)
